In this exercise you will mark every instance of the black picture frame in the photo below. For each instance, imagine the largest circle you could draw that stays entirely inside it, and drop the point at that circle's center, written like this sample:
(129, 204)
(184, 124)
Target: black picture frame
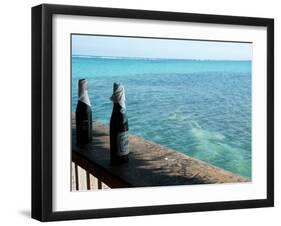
(42, 111)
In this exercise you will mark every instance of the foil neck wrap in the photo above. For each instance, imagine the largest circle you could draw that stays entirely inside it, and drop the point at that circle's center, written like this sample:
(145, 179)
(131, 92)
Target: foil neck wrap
(83, 91)
(118, 96)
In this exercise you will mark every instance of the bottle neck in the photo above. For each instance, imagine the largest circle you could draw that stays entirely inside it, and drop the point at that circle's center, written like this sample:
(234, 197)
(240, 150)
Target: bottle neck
(118, 109)
(83, 95)
(118, 98)
(119, 113)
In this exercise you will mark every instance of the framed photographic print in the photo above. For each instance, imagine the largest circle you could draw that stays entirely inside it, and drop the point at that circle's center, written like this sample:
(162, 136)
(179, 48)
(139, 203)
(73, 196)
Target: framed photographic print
(145, 112)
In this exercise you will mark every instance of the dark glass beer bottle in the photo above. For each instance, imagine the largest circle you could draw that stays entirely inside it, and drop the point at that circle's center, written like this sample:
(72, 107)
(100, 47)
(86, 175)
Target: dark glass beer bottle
(119, 143)
(83, 114)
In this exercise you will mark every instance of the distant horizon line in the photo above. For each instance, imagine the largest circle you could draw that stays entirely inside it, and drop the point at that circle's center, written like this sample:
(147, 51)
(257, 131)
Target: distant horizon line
(152, 58)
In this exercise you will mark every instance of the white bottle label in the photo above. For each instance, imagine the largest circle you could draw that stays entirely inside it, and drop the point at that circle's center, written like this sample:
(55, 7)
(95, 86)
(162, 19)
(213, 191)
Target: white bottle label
(123, 143)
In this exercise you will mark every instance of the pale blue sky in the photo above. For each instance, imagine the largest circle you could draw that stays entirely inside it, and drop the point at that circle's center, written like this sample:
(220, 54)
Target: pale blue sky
(159, 48)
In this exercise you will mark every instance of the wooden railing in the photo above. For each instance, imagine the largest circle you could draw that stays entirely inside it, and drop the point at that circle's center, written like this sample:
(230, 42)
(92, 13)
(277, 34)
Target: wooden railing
(149, 164)
(83, 180)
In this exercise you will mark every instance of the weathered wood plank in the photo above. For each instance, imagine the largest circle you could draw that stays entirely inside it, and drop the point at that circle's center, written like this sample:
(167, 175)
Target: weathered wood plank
(73, 177)
(150, 164)
(82, 178)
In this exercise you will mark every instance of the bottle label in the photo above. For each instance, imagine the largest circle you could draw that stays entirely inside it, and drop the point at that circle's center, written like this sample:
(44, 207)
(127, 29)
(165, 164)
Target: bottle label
(123, 143)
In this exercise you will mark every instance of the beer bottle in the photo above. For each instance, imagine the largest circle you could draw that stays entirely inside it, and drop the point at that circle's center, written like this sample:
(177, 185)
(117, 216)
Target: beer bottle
(83, 114)
(119, 148)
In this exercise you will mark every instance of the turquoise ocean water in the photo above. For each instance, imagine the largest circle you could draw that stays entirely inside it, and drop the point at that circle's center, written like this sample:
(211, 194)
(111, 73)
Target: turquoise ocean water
(200, 108)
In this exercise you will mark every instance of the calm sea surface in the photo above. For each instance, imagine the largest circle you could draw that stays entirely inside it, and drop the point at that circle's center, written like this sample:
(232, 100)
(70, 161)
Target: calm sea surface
(199, 108)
